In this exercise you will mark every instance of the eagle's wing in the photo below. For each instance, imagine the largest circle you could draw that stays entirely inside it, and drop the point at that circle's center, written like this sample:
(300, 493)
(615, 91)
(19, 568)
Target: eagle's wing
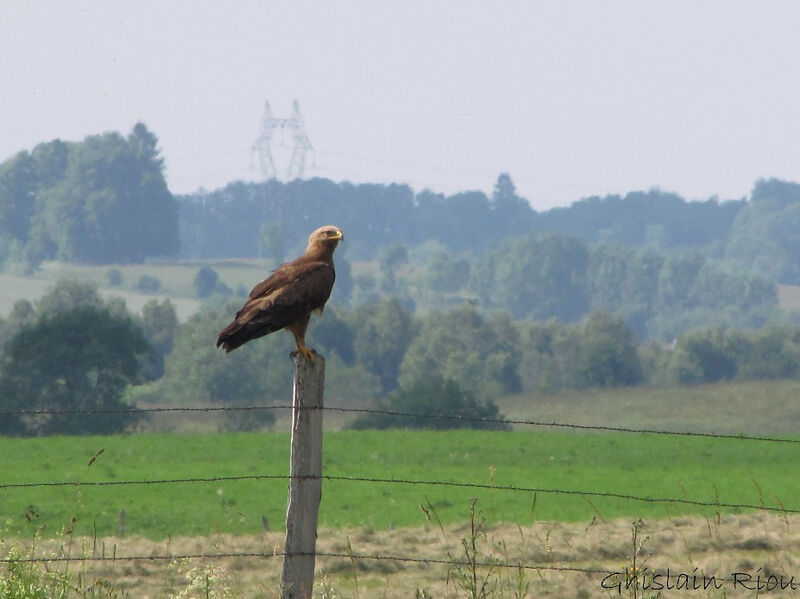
(292, 292)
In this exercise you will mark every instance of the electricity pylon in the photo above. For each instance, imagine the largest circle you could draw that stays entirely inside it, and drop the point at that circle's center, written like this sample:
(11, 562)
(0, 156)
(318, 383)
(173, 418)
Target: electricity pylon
(265, 143)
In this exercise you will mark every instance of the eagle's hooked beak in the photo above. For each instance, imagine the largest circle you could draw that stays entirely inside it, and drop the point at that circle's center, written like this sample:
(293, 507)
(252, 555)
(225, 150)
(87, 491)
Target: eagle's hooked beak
(339, 235)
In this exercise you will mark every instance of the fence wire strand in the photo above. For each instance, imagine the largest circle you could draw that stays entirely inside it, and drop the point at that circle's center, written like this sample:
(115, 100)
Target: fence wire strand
(398, 413)
(421, 482)
(255, 554)
(349, 556)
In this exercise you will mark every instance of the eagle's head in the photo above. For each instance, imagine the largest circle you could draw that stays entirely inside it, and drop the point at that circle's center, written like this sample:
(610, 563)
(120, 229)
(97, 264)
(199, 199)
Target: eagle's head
(328, 236)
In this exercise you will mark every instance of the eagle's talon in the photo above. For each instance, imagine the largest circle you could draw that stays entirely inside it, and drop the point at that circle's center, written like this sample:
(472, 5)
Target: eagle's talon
(308, 353)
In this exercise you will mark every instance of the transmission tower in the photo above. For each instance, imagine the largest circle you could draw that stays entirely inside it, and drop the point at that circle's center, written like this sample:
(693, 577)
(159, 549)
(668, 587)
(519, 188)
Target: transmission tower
(266, 143)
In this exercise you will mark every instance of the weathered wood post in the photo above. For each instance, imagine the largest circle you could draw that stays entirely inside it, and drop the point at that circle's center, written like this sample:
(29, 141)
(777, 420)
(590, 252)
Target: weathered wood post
(305, 484)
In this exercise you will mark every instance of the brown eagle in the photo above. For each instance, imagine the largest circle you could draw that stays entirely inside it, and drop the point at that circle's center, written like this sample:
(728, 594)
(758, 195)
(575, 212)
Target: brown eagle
(287, 298)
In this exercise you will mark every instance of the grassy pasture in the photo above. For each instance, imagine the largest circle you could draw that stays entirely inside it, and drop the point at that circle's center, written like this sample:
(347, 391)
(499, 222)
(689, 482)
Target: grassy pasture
(644, 465)
(14, 288)
(176, 281)
(769, 408)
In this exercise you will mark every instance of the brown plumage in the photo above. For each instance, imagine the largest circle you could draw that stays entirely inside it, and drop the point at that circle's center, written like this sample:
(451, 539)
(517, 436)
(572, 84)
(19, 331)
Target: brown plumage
(286, 299)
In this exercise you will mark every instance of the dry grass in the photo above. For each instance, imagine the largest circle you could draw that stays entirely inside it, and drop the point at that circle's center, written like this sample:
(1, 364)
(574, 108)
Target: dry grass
(719, 547)
(749, 407)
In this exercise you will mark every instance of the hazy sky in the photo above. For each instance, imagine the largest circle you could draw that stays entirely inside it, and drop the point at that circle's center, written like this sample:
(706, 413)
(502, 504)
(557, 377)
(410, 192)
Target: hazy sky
(571, 98)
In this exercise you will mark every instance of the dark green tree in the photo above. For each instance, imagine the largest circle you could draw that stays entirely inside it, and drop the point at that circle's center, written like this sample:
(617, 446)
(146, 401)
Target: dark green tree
(111, 204)
(608, 355)
(77, 359)
(272, 237)
(536, 277)
(770, 353)
(381, 336)
(258, 373)
(343, 289)
(625, 283)
(511, 214)
(68, 294)
(159, 325)
(114, 277)
(702, 357)
(391, 258)
(445, 274)
(148, 284)
(206, 281)
(196, 372)
(764, 235)
(332, 334)
(18, 187)
(428, 398)
(548, 354)
(653, 218)
(464, 346)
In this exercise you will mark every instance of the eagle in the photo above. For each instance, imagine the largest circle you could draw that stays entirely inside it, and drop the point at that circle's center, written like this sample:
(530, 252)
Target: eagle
(286, 299)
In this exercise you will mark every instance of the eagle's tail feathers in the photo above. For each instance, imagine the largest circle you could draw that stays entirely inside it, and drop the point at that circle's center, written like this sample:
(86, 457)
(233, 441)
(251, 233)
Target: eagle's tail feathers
(237, 334)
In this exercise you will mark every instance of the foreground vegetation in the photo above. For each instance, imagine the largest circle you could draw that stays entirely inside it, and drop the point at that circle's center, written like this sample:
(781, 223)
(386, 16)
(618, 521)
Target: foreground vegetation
(750, 544)
(730, 471)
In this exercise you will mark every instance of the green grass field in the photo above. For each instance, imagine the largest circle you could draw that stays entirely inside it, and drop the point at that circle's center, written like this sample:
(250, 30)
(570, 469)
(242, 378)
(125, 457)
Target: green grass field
(176, 280)
(646, 465)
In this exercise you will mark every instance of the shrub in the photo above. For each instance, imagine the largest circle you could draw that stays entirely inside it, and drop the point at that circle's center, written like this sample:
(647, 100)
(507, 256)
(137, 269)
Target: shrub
(427, 399)
(148, 284)
(114, 277)
(207, 282)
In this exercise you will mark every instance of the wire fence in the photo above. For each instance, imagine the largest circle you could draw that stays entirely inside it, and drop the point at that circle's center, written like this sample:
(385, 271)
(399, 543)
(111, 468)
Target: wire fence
(627, 575)
(398, 413)
(274, 554)
(399, 481)
(450, 562)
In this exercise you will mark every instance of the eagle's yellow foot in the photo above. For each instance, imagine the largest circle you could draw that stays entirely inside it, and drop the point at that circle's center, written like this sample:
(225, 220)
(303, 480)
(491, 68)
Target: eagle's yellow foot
(306, 351)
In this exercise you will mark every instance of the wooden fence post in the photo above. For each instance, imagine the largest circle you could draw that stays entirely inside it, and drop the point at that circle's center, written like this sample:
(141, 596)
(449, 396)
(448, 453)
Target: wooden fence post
(305, 484)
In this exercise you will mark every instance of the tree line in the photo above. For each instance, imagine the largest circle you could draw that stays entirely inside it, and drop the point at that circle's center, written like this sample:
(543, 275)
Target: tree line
(273, 219)
(100, 201)
(72, 350)
(546, 275)
(105, 200)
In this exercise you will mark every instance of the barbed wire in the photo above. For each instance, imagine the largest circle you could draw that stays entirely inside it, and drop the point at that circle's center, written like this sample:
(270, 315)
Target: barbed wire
(348, 556)
(605, 428)
(156, 481)
(421, 482)
(344, 478)
(120, 411)
(606, 494)
(398, 413)
(256, 554)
